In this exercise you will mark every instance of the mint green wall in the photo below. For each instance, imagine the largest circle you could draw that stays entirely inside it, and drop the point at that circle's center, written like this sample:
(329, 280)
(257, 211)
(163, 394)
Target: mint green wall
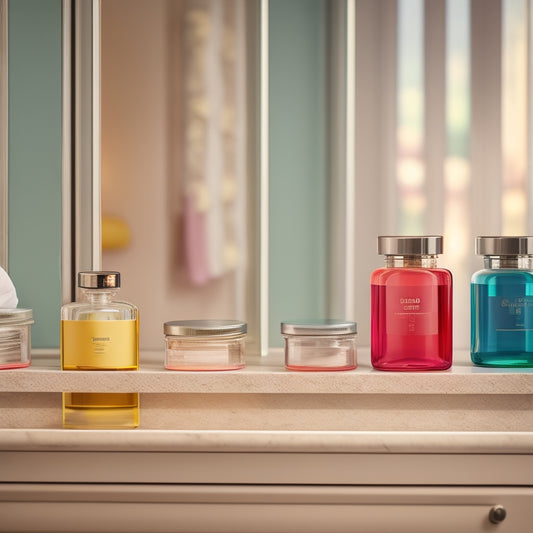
(35, 162)
(298, 180)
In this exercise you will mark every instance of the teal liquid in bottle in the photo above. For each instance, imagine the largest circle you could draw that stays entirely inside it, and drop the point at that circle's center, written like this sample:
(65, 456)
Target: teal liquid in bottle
(502, 303)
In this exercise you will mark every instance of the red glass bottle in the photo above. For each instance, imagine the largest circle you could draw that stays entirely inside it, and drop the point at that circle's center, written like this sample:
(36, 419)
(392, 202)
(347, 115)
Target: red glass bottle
(411, 306)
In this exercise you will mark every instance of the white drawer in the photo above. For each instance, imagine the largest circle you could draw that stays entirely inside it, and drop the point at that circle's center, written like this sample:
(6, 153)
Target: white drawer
(260, 509)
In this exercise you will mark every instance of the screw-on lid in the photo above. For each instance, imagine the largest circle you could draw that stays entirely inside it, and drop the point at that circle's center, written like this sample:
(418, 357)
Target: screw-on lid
(318, 327)
(94, 279)
(504, 245)
(411, 245)
(204, 328)
(16, 317)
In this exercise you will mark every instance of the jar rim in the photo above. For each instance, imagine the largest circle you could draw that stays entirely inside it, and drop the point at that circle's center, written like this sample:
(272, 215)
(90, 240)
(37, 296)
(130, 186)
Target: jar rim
(410, 245)
(322, 327)
(503, 245)
(204, 328)
(99, 279)
(16, 317)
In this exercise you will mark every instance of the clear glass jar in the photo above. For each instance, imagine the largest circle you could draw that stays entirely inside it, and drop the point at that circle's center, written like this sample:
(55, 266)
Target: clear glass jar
(99, 333)
(205, 344)
(411, 306)
(15, 338)
(502, 303)
(320, 345)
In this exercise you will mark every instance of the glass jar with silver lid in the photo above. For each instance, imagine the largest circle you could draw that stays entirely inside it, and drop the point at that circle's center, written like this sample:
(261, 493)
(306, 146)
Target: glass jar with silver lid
(502, 302)
(15, 337)
(320, 345)
(199, 345)
(411, 306)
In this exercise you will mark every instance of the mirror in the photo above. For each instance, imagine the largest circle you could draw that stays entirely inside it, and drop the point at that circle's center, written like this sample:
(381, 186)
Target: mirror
(340, 172)
(179, 94)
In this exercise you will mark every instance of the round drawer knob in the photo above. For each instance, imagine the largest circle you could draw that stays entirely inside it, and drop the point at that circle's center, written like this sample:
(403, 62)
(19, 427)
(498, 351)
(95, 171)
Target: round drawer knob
(497, 514)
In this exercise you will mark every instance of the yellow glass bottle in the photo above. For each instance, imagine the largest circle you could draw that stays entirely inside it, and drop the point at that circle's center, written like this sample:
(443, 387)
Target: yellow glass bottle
(100, 333)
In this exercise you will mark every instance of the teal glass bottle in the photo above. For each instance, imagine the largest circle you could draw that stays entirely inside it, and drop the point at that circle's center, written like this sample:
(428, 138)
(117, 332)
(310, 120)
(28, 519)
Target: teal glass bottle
(502, 303)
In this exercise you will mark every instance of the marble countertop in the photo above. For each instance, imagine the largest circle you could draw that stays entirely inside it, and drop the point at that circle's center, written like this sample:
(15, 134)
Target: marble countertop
(267, 375)
(406, 442)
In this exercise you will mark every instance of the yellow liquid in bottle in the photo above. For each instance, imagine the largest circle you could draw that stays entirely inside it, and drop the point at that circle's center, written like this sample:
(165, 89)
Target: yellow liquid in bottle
(100, 345)
(100, 410)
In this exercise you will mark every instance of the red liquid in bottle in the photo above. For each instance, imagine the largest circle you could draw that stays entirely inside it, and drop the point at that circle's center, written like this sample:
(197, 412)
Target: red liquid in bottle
(411, 319)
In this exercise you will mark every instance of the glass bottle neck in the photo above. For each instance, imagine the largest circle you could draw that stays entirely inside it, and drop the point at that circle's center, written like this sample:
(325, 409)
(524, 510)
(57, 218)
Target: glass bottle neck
(524, 262)
(98, 296)
(415, 261)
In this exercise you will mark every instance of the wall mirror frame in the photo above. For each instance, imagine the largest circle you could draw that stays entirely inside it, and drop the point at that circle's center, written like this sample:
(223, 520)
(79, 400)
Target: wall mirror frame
(81, 176)
(81, 156)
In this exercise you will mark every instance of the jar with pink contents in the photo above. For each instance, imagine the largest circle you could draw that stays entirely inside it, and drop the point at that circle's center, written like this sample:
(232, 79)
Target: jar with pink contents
(205, 344)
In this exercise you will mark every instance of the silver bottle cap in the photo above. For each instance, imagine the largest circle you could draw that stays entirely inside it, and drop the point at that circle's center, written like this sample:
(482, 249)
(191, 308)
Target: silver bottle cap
(411, 245)
(16, 317)
(95, 279)
(504, 245)
(318, 327)
(204, 328)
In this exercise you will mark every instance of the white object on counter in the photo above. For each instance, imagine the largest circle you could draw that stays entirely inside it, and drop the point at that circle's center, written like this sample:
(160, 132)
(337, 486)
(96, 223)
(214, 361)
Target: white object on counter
(8, 293)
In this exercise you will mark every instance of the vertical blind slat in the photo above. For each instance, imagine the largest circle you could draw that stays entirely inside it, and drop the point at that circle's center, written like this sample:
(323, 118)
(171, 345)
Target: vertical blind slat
(485, 150)
(435, 112)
